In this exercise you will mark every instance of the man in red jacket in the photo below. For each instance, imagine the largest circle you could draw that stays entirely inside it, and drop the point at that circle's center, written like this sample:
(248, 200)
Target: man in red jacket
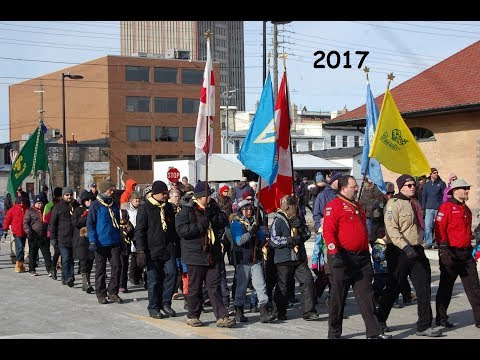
(346, 237)
(453, 233)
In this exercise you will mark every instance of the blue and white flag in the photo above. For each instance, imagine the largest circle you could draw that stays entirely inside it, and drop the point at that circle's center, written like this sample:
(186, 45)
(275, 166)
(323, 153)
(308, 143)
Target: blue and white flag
(374, 171)
(258, 150)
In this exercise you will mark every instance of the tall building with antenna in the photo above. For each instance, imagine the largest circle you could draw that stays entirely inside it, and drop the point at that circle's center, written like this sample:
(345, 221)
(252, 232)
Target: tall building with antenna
(185, 40)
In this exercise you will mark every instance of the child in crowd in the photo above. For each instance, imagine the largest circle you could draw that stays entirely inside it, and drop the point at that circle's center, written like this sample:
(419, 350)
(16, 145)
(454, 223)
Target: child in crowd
(127, 232)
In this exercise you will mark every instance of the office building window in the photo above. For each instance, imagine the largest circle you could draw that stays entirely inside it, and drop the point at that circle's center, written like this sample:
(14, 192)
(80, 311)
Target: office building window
(165, 75)
(310, 145)
(139, 133)
(138, 104)
(236, 144)
(294, 146)
(188, 134)
(333, 141)
(356, 140)
(190, 106)
(163, 133)
(139, 162)
(192, 77)
(345, 141)
(166, 105)
(137, 73)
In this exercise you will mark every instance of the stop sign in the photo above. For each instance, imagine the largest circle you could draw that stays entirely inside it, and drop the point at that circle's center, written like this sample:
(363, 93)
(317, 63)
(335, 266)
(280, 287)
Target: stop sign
(173, 174)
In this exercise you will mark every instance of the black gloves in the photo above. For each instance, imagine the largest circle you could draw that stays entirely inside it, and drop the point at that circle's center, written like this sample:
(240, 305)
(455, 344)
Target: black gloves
(254, 230)
(141, 259)
(410, 251)
(305, 233)
(295, 222)
(92, 247)
(294, 240)
(203, 222)
(445, 255)
(336, 260)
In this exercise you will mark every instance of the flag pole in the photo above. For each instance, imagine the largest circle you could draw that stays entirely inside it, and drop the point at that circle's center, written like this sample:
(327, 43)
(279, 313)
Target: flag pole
(208, 35)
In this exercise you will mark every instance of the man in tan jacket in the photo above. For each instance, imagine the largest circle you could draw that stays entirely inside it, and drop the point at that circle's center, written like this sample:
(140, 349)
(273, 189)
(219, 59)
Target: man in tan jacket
(405, 255)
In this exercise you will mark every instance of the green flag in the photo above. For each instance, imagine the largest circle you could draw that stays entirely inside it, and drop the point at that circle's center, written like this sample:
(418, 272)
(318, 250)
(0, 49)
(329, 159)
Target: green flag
(32, 158)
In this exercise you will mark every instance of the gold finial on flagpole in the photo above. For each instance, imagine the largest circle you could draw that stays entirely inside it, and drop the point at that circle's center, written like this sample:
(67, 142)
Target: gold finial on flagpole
(208, 35)
(366, 70)
(284, 58)
(390, 77)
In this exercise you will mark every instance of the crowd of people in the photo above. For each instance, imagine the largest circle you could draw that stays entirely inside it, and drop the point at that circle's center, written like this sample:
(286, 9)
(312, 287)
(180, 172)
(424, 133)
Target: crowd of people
(174, 239)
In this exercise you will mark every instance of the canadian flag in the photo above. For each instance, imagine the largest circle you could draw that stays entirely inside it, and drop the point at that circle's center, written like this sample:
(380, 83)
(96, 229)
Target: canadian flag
(270, 197)
(206, 112)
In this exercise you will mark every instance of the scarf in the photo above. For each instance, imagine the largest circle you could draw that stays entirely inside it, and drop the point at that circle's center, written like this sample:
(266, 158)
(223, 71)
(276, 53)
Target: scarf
(418, 213)
(162, 211)
(110, 211)
(70, 207)
(126, 228)
(293, 231)
(210, 233)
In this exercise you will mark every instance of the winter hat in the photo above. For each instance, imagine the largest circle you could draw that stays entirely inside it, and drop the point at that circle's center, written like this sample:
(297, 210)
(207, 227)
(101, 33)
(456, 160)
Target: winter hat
(147, 190)
(19, 200)
(433, 170)
(247, 193)
(57, 192)
(86, 195)
(67, 190)
(402, 179)
(199, 190)
(158, 187)
(104, 185)
(319, 177)
(452, 177)
(335, 176)
(37, 198)
(457, 184)
(242, 204)
(223, 188)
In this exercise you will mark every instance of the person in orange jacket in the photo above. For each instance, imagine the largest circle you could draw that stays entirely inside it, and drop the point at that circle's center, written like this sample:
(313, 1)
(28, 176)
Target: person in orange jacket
(129, 188)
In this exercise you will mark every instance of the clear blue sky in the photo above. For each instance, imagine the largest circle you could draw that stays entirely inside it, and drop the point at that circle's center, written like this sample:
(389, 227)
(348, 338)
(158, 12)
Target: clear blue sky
(406, 48)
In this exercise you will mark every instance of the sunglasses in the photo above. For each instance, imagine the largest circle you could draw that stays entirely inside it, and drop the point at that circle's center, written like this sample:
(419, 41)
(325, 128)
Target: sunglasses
(390, 192)
(410, 185)
(68, 195)
(464, 188)
(435, 172)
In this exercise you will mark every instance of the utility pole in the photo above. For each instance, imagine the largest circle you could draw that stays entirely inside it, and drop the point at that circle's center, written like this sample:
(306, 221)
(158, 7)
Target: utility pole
(275, 62)
(41, 111)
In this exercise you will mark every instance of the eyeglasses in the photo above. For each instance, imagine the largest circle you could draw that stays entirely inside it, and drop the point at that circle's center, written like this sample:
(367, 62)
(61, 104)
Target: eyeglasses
(390, 192)
(68, 195)
(410, 185)
(435, 172)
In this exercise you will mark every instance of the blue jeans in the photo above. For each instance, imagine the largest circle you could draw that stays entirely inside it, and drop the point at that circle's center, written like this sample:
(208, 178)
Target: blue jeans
(155, 279)
(170, 270)
(67, 262)
(429, 219)
(20, 247)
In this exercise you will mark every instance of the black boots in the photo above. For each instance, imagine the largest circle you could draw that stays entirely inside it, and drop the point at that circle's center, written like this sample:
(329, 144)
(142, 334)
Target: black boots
(86, 286)
(265, 316)
(239, 317)
(54, 273)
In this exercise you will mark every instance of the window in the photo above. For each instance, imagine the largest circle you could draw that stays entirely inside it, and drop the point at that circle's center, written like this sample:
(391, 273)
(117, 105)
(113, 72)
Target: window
(139, 133)
(192, 77)
(294, 146)
(190, 106)
(310, 145)
(139, 162)
(422, 134)
(333, 141)
(163, 133)
(137, 73)
(138, 104)
(161, 157)
(344, 141)
(236, 144)
(188, 134)
(165, 75)
(356, 140)
(166, 105)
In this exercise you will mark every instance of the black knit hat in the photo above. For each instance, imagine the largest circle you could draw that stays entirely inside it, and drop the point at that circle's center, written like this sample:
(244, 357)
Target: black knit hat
(335, 176)
(37, 198)
(57, 192)
(199, 190)
(158, 187)
(402, 179)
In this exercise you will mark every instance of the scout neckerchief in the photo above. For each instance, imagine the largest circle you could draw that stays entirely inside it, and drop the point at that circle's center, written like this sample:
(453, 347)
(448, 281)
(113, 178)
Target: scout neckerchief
(293, 230)
(126, 228)
(110, 211)
(162, 211)
(70, 207)
(210, 233)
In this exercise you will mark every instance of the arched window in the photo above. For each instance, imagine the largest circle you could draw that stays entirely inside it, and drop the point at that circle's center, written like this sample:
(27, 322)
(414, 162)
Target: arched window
(422, 134)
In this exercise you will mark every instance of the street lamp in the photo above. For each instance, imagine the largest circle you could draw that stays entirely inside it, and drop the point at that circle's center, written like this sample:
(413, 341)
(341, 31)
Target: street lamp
(73, 77)
(227, 95)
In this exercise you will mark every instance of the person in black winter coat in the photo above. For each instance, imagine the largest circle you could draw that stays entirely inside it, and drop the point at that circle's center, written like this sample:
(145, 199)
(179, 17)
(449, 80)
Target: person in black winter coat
(199, 224)
(80, 240)
(61, 233)
(126, 234)
(155, 237)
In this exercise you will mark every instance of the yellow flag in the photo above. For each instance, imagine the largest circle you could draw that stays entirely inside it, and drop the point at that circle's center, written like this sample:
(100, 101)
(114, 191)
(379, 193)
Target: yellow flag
(394, 145)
